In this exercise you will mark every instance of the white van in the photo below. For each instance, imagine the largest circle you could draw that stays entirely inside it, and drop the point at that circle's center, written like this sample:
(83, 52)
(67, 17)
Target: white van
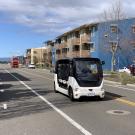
(78, 77)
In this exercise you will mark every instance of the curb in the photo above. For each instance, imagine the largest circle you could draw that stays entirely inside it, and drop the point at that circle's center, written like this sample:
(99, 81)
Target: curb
(130, 85)
(107, 81)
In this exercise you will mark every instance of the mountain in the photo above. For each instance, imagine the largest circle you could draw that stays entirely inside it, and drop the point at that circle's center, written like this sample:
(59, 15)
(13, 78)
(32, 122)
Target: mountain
(6, 59)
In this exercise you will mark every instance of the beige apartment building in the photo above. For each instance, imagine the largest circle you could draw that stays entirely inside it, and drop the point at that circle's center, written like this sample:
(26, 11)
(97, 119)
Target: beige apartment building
(35, 55)
(75, 43)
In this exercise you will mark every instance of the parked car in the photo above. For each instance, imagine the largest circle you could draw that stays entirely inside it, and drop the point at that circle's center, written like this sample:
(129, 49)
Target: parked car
(132, 69)
(125, 69)
(32, 66)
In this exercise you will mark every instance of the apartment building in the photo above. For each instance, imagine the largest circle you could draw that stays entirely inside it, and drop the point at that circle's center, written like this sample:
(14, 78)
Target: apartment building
(35, 55)
(75, 43)
(49, 54)
(112, 42)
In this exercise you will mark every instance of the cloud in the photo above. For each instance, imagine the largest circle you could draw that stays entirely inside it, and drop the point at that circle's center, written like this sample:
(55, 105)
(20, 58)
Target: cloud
(58, 16)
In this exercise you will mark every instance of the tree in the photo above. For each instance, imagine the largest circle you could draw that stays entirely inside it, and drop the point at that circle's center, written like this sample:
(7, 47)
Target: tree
(115, 12)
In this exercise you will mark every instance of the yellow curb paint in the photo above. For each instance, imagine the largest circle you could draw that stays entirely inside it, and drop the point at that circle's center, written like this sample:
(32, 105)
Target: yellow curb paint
(126, 101)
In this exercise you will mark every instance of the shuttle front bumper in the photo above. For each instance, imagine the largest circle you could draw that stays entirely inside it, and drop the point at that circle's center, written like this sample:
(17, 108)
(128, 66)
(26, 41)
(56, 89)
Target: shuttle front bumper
(89, 92)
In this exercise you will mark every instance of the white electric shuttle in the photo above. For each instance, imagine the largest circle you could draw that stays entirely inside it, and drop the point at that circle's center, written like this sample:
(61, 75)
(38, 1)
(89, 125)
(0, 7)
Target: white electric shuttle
(79, 77)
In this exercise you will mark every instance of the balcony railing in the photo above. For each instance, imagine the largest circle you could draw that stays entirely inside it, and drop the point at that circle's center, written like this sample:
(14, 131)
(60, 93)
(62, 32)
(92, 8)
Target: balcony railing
(85, 39)
(85, 53)
(75, 54)
(74, 41)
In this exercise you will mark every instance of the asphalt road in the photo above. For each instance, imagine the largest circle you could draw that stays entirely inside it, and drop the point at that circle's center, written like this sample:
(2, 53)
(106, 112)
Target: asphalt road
(34, 109)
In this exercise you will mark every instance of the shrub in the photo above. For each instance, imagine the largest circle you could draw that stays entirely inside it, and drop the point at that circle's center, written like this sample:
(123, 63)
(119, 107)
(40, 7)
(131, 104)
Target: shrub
(126, 78)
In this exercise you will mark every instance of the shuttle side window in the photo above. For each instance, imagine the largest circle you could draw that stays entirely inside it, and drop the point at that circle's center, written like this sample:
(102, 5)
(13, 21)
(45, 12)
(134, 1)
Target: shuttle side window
(63, 71)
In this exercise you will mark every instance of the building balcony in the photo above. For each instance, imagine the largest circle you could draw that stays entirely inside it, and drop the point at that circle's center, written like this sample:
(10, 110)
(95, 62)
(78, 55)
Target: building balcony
(75, 54)
(63, 45)
(85, 39)
(85, 53)
(74, 41)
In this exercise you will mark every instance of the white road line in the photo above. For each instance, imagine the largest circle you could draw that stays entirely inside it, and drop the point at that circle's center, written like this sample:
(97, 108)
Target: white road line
(2, 90)
(1, 83)
(69, 119)
(4, 106)
(128, 89)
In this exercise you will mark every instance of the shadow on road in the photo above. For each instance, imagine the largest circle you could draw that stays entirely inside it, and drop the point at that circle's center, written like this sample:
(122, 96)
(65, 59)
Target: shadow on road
(113, 95)
(5, 86)
(22, 102)
(5, 77)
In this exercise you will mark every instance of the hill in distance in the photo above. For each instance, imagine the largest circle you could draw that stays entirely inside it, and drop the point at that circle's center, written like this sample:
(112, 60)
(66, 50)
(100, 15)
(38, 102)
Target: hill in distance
(6, 59)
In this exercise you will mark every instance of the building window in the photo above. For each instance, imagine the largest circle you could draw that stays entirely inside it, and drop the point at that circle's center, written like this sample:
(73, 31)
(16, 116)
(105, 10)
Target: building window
(133, 28)
(114, 28)
(58, 51)
(58, 41)
(77, 34)
(92, 47)
(133, 44)
(65, 50)
(76, 48)
(86, 46)
(35, 52)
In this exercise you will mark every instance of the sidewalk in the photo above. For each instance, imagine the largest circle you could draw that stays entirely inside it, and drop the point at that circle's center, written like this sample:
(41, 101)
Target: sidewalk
(118, 83)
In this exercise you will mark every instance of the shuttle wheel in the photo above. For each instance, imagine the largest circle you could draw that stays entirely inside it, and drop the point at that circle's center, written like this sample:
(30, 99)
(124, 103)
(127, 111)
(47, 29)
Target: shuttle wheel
(71, 95)
(55, 88)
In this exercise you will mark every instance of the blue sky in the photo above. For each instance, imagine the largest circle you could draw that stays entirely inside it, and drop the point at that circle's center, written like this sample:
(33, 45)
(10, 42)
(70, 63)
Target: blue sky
(16, 38)
(28, 23)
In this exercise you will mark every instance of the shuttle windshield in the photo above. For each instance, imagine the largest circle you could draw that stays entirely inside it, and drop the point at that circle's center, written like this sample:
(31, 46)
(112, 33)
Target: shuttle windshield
(88, 71)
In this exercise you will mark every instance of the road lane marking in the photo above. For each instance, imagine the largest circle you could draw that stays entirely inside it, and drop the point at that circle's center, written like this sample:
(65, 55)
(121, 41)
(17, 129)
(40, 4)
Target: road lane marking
(64, 115)
(1, 83)
(125, 101)
(117, 99)
(2, 90)
(5, 106)
(122, 100)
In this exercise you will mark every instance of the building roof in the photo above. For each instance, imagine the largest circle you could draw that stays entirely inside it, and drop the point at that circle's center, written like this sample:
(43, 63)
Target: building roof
(77, 29)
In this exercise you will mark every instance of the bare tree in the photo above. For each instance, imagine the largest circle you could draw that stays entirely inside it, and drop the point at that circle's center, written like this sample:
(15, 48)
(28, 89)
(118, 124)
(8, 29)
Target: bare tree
(127, 50)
